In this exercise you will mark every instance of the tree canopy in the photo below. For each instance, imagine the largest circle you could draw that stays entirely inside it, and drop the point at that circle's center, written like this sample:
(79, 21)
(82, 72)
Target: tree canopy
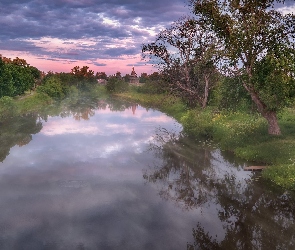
(185, 53)
(258, 47)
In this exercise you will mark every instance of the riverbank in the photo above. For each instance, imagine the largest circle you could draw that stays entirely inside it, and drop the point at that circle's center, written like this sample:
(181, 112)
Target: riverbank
(242, 133)
(33, 101)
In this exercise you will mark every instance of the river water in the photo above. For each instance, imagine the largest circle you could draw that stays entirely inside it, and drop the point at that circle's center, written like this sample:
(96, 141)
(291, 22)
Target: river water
(115, 175)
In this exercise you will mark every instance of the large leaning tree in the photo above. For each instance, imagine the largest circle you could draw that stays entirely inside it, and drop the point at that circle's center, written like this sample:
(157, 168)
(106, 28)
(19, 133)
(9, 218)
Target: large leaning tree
(185, 55)
(258, 46)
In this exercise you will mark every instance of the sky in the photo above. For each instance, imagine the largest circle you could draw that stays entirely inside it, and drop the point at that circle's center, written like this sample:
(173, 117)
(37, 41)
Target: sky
(106, 36)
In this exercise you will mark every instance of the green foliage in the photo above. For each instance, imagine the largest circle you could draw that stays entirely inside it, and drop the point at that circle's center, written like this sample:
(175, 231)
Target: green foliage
(6, 81)
(7, 107)
(257, 44)
(36, 73)
(15, 78)
(35, 102)
(83, 75)
(198, 123)
(153, 87)
(116, 85)
(274, 81)
(22, 78)
(229, 94)
(186, 53)
(53, 87)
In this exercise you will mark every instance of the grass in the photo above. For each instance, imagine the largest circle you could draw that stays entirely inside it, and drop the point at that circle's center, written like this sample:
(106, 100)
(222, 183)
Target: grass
(170, 105)
(240, 132)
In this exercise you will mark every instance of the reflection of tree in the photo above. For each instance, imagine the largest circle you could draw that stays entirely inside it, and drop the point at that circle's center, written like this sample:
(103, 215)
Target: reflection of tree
(84, 108)
(116, 104)
(181, 171)
(251, 216)
(17, 131)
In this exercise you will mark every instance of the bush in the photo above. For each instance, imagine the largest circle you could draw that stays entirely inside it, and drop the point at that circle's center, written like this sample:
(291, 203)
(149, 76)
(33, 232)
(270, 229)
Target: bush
(54, 88)
(153, 87)
(34, 103)
(198, 123)
(116, 85)
(229, 94)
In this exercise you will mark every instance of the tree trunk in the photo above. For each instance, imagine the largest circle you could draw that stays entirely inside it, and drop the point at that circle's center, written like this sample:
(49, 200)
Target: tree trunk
(270, 116)
(273, 126)
(206, 92)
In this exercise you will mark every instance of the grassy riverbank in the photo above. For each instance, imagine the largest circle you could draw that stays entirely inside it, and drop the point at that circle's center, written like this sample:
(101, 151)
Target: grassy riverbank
(33, 101)
(240, 132)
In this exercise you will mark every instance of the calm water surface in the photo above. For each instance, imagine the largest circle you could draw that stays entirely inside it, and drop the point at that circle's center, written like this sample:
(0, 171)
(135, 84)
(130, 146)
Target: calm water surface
(111, 175)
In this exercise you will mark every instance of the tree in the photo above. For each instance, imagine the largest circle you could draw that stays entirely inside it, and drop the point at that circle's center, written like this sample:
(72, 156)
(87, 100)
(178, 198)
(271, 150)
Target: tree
(143, 77)
(16, 76)
(6, 80)
(118, 75)
(127, 78)
(101, 75)
(257, 45)
(186, 52)
(116, 84)
(20, 62)
(83, 76)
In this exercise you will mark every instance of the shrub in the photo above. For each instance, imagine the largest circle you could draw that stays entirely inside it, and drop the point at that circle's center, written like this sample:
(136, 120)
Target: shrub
(229, 94)
(116, 85)
(34, 102)
(198, 123)
(153, 87)
(54, 88)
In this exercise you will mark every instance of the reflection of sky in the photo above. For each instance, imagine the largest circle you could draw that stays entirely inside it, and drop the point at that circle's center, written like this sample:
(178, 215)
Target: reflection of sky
(80, 183)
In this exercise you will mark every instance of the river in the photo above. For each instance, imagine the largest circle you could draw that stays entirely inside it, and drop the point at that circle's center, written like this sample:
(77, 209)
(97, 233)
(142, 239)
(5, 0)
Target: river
(115, 175)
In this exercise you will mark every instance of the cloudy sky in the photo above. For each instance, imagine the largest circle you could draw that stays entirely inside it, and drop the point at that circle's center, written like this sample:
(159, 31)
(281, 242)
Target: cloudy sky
(104, 35)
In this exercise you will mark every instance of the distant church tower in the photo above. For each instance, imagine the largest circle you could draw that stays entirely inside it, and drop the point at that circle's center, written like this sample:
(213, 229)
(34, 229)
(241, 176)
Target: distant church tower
(133, 79)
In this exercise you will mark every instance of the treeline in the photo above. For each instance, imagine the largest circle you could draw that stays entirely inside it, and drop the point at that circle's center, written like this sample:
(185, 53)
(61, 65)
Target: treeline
(148, 83)
(17, 76)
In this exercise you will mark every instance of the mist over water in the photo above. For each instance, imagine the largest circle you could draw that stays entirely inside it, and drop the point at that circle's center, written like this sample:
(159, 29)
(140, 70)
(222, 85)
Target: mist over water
(115, 175)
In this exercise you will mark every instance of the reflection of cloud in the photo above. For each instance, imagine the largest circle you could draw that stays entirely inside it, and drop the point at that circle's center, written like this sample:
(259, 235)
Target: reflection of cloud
(108, 150)
(106, 134)
(161, 118)
(67, 126)
(119, 128)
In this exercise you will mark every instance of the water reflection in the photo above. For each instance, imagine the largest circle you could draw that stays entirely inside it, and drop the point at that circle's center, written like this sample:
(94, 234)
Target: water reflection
(244, 214)
(76, 183)
(17, 131)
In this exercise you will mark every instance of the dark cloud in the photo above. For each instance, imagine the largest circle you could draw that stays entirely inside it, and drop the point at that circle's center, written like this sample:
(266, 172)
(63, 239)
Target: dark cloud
(110, 29)
(139, 64)
(118, 27)
(99, 64)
